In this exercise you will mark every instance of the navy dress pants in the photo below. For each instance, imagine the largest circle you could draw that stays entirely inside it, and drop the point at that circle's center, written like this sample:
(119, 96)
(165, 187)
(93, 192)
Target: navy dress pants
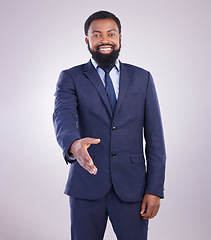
(89, 218)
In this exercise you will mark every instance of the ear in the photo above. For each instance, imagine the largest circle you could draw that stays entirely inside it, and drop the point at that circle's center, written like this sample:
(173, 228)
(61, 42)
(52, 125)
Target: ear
(86, 40)
(120, 37)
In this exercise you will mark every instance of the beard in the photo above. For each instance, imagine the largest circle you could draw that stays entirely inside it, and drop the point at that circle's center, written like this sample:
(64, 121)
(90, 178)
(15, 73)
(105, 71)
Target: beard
(105, 60)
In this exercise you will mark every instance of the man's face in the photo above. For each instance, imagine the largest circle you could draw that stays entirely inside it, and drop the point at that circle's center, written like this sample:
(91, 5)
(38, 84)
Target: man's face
(104, 41)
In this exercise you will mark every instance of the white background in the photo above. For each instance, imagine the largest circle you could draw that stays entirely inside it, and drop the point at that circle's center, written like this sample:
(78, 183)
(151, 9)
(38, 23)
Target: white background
(171, 39)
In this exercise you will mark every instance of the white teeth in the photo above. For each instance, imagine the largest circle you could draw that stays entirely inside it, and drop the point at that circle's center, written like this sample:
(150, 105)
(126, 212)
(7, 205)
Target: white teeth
(105, 49)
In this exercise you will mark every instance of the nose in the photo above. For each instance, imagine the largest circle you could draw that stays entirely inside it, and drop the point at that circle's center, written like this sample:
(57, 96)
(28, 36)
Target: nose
(104, 39)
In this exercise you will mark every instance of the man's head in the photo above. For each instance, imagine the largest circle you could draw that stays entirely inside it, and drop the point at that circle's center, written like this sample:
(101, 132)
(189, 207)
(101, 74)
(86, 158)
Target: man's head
(103, 37)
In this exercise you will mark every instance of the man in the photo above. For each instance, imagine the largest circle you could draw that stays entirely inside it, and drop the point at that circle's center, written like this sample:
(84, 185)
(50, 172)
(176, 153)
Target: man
(102, 110)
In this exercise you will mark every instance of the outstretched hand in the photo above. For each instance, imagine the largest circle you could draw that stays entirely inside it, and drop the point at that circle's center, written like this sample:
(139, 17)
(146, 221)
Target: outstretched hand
(150, 206)
(79, 150)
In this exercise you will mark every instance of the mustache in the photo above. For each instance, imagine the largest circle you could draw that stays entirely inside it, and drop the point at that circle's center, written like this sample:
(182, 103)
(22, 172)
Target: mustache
(103, 44)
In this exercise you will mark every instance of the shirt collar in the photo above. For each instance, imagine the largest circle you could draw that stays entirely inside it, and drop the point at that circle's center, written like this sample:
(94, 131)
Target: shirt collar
(117, 64)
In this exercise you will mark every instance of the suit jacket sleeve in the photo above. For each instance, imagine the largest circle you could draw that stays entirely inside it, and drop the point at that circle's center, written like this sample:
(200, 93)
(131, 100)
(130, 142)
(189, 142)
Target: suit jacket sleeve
(155, 147)
(65, 114)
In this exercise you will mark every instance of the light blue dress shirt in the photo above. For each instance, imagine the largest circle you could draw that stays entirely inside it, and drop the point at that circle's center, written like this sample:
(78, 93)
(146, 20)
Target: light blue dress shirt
(114, 74)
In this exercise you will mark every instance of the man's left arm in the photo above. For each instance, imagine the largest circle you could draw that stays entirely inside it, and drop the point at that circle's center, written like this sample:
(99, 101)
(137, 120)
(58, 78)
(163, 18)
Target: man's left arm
(155, 153)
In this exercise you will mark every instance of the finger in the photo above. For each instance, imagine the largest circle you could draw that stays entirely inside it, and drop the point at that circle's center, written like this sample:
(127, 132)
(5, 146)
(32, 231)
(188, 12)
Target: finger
(87, 163)
(151, 215)
(155, 211)
(91, 140)
(90, 164)
(143, 206)
(148, 213)
(91, 168)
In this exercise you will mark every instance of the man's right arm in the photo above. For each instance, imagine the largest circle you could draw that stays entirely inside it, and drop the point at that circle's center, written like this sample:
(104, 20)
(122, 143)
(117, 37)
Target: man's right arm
(65, 124)
(65, 113)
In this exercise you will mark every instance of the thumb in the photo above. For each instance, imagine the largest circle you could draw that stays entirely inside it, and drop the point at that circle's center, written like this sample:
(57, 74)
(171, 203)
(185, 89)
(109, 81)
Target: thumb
(92, 140)
(143, 206)
(96, 140)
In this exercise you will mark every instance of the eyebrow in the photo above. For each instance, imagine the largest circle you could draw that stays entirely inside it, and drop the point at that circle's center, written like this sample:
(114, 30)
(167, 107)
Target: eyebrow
(107, 31)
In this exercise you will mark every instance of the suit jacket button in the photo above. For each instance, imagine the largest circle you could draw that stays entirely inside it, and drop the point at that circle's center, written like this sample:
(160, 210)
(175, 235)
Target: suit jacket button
(113, 154)
(113, 128)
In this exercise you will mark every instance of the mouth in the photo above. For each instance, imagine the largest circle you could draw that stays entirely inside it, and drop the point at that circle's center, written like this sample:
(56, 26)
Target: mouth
(105, 49)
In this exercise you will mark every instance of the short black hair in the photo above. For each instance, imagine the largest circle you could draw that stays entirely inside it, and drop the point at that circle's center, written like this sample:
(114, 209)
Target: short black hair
(101, 15)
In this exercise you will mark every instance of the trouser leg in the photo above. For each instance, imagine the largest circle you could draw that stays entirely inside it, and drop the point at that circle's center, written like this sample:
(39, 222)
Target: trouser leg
(88, 218)
(126, 219)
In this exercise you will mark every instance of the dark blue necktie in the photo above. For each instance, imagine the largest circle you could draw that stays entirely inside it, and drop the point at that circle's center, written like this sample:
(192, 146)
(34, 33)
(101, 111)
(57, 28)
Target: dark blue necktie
(110, 88)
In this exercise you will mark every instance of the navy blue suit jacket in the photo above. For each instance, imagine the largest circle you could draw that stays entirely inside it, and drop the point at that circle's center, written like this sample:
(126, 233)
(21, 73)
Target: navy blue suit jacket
(82, 110)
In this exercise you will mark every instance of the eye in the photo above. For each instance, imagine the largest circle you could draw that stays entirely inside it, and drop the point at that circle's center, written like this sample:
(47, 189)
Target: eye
(96, 35)
(111, 35)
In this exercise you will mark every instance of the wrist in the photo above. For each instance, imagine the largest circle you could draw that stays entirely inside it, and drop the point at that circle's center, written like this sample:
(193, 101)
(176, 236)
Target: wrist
(73, 146)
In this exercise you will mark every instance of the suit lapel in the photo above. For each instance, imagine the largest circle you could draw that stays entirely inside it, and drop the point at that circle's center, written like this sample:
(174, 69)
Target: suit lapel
(123, 85)
(94, 77)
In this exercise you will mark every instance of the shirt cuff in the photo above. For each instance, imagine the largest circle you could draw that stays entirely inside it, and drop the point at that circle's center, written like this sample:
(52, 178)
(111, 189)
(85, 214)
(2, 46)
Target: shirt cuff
(69, 157)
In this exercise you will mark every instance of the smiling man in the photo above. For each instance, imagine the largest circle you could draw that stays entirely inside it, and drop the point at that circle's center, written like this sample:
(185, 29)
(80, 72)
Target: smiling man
(104, 40)
(102, 110)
